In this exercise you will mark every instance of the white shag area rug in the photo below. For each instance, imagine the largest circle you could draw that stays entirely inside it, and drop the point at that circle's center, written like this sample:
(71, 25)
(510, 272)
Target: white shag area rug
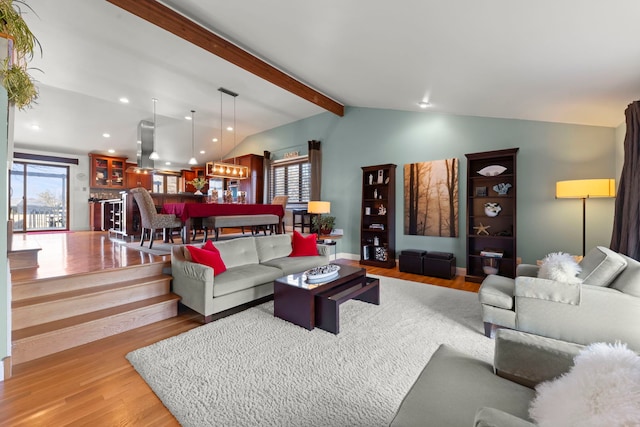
(252, 369)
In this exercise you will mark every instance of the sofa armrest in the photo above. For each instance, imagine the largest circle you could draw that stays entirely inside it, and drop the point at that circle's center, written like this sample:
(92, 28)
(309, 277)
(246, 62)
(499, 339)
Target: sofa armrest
(549, 290)
(324, 250)
(193, 282)
(529, 270)
(492, 417)
(531, 359)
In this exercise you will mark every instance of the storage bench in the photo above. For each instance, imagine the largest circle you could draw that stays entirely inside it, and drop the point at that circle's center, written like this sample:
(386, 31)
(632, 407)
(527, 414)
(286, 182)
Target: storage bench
(412, 261)
(440, 264)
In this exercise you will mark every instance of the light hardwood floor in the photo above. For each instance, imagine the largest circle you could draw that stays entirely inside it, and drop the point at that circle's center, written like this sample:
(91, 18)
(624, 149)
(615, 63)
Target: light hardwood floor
(94, 384)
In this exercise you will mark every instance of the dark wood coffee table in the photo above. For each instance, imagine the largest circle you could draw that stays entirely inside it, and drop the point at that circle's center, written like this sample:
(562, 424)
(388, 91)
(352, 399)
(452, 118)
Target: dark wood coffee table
(307, 304)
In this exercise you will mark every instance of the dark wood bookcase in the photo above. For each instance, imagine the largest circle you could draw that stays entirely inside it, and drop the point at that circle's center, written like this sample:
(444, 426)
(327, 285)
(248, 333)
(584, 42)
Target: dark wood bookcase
(488, 173)
(378, 216)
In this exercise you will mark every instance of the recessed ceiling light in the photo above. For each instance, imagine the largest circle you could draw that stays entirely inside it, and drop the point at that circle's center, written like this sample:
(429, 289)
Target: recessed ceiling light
(111, 150)
(423, 104)
(229, 128)
(35, 127)
(202, 151)
(187, 117)
(167, 163)
(124, 100)
(106, 135)
(215, 139)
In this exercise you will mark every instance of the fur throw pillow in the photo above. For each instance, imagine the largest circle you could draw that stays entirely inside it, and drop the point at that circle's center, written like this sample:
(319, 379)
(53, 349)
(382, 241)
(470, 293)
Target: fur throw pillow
(601, 389)
(561, 267)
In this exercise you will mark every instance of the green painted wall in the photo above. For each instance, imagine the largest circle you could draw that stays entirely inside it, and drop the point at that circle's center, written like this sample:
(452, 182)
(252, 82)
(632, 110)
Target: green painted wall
(548, 152)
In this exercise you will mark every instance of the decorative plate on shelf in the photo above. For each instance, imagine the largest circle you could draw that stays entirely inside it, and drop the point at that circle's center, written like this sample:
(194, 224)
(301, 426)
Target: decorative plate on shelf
(492, 170)
(321, 273)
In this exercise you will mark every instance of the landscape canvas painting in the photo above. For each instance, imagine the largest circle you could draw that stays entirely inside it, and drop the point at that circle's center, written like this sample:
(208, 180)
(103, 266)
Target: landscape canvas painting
(431, 198)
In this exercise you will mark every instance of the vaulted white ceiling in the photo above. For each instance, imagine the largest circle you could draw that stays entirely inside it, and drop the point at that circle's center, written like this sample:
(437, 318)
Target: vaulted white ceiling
(574, 61)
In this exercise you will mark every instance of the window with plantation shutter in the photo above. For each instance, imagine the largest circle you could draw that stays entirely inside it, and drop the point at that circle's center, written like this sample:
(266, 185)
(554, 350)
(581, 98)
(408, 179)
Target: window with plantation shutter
(291, 178)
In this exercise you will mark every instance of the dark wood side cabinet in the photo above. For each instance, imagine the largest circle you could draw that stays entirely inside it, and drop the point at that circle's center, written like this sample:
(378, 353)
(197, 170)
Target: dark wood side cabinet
(491, 214)
(378, 216)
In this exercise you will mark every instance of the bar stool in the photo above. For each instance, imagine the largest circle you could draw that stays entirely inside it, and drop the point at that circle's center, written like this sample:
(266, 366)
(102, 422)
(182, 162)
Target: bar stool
(302, 213)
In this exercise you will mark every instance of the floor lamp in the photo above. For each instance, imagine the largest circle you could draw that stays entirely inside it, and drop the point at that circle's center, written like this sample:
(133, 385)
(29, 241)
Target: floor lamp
(585, 189)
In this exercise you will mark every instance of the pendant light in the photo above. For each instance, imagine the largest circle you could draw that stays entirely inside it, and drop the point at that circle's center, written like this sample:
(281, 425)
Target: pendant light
(192, 160)
(154, 155)
(221, 169)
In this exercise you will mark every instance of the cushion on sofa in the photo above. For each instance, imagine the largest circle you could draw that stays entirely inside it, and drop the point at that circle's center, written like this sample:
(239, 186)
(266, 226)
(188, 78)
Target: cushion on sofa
(304, 246)
(208, 255)
(601, 266)
(453, 386)
(275, 246)
(292, 265)
(238, 251)
(244, 277)
(629, 280)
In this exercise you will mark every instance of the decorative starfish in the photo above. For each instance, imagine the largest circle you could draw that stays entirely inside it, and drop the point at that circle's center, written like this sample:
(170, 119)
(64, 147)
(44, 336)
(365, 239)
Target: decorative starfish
(482, 229)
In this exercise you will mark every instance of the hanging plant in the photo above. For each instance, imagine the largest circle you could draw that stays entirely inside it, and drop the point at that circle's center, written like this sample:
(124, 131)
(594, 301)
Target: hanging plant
(20, 86)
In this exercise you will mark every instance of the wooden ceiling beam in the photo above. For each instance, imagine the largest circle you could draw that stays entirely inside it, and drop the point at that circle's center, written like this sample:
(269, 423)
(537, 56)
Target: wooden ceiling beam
(172, 21)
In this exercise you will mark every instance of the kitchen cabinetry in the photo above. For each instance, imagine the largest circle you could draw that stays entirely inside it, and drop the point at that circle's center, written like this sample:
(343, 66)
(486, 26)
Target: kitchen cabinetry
(491, 214)
(190, 175)
(107, 172)
(134, 179)
(378, 216)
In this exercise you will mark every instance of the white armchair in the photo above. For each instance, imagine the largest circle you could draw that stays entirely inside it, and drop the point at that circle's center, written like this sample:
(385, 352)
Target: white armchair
(604, 307)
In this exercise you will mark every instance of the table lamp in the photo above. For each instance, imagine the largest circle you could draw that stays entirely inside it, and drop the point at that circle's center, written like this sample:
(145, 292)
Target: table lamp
(585, 189)
(318, 208)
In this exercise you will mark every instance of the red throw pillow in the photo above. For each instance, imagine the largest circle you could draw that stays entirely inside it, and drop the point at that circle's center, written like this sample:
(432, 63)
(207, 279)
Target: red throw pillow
(304, 246)
(208, 255)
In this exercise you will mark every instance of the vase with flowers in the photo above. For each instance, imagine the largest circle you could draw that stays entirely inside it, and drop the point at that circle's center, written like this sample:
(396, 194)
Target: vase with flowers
(199, 183)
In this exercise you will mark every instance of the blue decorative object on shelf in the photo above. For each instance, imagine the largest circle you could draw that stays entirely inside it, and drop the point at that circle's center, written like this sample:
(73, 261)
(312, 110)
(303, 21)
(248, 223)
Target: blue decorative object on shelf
(502, 188)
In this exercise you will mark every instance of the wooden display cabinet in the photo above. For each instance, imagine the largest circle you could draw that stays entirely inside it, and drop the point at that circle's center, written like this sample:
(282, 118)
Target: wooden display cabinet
(107, 172)
(378, 216)
(491, 214)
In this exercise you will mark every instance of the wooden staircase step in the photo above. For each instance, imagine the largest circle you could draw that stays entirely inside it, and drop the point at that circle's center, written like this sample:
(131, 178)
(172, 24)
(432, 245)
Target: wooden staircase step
(41, 340)
(40, 287)
(48, 308)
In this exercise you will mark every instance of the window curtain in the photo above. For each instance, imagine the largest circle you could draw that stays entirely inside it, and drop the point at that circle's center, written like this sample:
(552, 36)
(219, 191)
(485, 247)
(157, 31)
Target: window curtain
(315, 158)
(626, 222)
(266, 173)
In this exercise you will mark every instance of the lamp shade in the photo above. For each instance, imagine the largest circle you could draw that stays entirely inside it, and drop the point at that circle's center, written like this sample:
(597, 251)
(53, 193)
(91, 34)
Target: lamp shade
(585, 188)
(318, 207)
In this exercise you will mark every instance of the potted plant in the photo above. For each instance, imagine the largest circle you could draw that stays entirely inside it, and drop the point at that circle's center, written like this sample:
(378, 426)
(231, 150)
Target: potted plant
(324, 224)
(199, 183)
(20, 86)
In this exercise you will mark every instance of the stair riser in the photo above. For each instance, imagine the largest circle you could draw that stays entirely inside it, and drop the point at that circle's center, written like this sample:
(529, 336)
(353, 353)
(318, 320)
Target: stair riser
(50, 311)
(63, 339)
(56, 285)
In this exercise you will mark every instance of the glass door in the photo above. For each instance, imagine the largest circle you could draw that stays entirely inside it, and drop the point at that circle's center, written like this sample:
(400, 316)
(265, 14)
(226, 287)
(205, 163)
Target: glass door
(39, 197)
